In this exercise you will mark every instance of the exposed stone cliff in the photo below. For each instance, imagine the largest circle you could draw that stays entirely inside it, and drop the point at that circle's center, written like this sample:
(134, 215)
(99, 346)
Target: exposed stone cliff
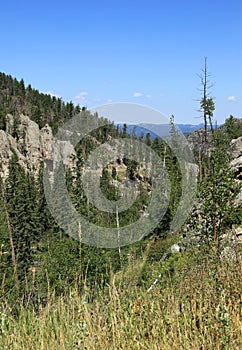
(235, 150)
(32, 145)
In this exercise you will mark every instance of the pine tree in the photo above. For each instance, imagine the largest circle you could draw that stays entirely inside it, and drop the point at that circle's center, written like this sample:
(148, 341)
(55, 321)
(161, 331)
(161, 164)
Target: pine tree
(23, 214)
(218, 191)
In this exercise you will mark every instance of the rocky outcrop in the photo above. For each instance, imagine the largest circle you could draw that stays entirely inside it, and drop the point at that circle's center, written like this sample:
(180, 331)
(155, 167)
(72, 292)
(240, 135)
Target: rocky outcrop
(231, 240)
(32, 145)
(7, 145)
(196, 139)
(235, 147)
(235, 150)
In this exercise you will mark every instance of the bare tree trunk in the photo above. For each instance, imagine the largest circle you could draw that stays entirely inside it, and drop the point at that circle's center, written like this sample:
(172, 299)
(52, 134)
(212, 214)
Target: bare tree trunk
(204, 99)
(211, 124)
(200, 165)
(207, 108)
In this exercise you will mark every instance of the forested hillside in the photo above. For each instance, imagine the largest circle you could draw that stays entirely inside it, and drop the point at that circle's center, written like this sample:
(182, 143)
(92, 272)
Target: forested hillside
(31, 241)
(16, 98)
(48, 276)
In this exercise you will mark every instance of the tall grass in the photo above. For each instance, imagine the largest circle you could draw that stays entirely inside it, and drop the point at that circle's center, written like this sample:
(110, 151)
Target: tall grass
(199, 308)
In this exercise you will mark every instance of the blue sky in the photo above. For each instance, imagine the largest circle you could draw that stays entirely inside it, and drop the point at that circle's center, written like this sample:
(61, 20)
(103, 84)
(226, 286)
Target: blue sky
(147, 52)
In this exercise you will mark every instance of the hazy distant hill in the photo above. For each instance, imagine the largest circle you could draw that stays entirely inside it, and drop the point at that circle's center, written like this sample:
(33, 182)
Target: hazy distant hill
(161, 130)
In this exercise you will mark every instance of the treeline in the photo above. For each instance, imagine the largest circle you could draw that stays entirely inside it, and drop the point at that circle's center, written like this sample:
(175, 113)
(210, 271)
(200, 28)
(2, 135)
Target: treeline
(16, 98)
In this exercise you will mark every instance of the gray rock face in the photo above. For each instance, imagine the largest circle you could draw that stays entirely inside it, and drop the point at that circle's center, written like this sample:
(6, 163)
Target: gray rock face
(238, 199)
(7, 145)
(235, 147)
(235, 150)
(32, 146)
(191, 232)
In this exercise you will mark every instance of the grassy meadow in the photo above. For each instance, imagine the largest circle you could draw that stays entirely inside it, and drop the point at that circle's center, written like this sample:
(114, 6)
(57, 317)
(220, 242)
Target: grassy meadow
(196, 304)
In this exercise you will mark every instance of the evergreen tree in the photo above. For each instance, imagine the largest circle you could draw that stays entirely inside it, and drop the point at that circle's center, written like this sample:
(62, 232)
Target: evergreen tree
(23, 214)
(218, 191)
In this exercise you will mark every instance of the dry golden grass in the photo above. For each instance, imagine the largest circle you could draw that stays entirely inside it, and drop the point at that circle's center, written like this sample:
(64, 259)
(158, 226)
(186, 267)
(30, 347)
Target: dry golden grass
(200, 310)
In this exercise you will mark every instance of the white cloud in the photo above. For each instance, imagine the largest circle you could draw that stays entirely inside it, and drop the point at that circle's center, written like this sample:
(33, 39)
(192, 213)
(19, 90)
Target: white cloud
(109, 100)
(137, 94)
(82, 96)
(232, 98)
(140, 94)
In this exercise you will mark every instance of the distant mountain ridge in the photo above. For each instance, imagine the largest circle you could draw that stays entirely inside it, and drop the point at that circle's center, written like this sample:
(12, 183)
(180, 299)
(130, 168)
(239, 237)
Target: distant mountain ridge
(161, 130)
